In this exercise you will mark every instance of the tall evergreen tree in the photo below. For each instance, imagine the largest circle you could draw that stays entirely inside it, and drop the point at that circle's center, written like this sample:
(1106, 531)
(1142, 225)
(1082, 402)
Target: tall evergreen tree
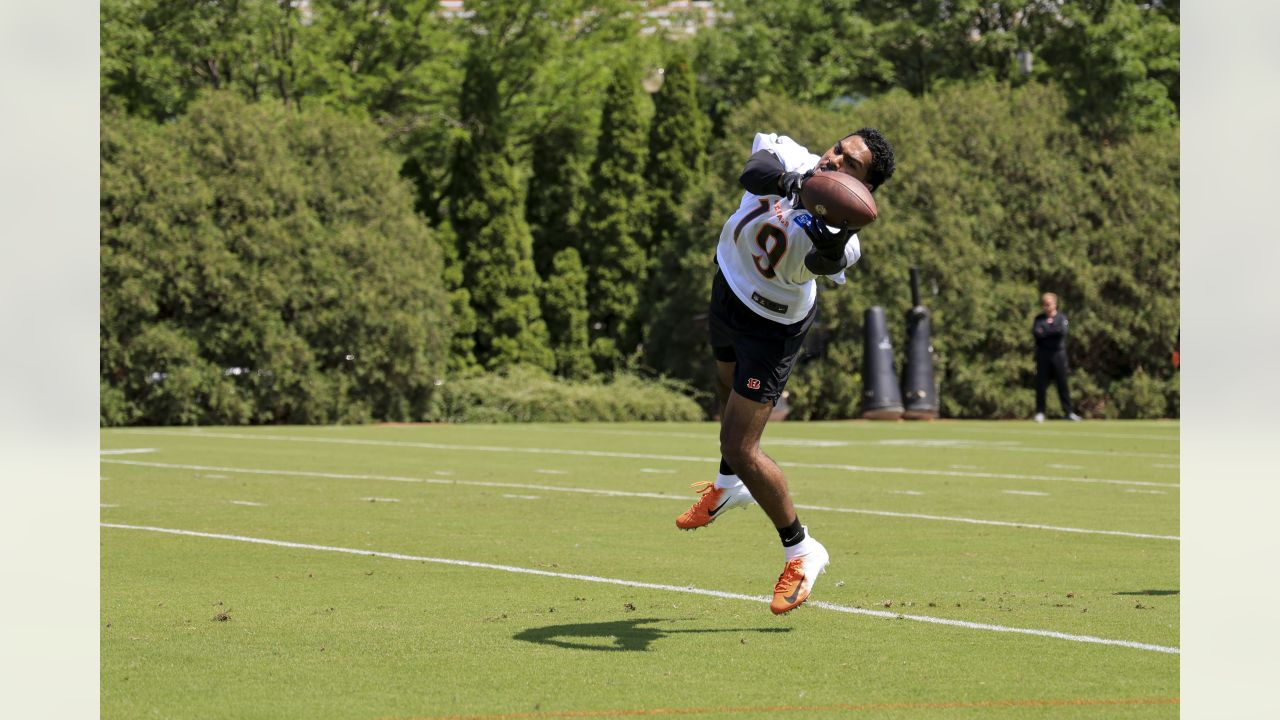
(676, 172)
(677, 162)
(492, 237)
(617, 239)
(565, 307)
(557, 196)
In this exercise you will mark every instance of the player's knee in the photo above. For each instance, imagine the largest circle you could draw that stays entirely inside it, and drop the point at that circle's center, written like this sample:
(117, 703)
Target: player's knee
(736, 451)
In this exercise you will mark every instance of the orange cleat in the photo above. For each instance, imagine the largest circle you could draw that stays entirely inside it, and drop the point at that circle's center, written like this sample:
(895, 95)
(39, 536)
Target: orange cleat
(796, 581)
(713, 503)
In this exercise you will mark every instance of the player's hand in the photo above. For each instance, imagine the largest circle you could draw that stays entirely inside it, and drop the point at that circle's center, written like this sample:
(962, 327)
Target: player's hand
(829, 243)
(790, 185)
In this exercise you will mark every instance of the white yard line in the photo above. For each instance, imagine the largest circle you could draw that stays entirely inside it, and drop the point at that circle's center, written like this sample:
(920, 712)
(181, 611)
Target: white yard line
(1026, 492)
(906, 492)
(633, 456)
(380, 499)
(657, 471)
(1145, 492)
(127, 451)
(521, 497)
(655, 586)
(621, 493)
(545, 471)
(247, 503)
(997, 523)
(1058, 466)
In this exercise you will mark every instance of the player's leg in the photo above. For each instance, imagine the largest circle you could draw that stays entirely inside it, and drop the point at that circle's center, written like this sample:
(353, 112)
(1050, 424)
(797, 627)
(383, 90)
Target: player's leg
(726, 492)
(1043, 370)
(1060, 378)
(724, 385)
(724, 377)
(740, 433)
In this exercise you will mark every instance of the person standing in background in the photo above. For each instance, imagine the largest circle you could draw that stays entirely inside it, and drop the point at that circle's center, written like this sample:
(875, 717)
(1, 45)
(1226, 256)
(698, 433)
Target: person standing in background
(1050, 333)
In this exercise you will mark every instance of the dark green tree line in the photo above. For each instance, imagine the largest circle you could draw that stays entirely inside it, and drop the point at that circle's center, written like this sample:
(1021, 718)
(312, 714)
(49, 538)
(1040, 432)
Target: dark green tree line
(525, 134)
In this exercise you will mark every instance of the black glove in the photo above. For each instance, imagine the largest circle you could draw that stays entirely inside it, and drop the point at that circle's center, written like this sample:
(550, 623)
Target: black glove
(790, 184)
(828, 243)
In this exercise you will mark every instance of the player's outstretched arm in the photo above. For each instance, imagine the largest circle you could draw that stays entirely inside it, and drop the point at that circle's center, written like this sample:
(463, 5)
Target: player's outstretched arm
(820, 264)
(828, 255)
(762, 174)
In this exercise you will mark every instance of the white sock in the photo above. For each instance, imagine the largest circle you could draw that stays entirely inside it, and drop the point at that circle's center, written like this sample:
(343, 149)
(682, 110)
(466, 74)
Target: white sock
(728, 482)
(801, 548)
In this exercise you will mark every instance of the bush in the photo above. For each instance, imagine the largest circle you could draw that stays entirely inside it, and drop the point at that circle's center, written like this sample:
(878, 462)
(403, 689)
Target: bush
(1141, 396)
(525, 394)
(260, 265)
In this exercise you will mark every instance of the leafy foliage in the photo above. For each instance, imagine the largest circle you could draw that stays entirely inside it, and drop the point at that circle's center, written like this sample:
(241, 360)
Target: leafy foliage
(262, 266)
(565, 305)
(1118, 61)
(617, 232)
(522, 394)
(680, 268)
(492, 237)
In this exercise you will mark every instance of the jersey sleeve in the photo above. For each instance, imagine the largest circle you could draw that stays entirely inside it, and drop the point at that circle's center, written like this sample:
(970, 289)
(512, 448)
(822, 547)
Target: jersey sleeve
(794, 156)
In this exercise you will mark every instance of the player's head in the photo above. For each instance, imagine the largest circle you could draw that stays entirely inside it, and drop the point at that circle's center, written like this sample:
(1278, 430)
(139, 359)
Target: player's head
(1049, 302)
(864, 154)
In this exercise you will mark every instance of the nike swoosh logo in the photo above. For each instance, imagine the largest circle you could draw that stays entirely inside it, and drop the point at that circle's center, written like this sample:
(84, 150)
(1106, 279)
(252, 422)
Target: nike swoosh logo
(712, 513)
(792, 597)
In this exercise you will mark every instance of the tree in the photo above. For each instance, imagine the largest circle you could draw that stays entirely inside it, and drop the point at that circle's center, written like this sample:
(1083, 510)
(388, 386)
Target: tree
(263, 266)
(808, 52)
(617, 240)
(158, 56)
(1118, 62)
(494, 243)
(565, 307)
(680, 269)
(558, 191)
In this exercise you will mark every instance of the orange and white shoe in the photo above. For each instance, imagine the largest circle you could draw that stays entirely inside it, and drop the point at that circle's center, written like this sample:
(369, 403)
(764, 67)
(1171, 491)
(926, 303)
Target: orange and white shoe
(713, 503)
(796, 581)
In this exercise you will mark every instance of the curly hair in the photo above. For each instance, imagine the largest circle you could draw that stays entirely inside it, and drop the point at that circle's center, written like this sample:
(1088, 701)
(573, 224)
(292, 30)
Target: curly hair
(882, 163)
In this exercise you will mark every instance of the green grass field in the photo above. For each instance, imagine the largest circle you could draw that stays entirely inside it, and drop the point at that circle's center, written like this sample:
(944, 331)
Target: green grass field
(1078, 541)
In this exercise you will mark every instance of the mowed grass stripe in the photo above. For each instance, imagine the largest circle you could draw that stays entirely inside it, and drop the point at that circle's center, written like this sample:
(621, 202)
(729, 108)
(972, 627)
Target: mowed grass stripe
(793, 709)
(689, 590)
(204, 435)
(933, 443)
(623, 493)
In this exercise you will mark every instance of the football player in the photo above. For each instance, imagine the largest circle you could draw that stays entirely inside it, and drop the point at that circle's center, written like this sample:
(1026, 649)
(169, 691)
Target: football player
(762, 304)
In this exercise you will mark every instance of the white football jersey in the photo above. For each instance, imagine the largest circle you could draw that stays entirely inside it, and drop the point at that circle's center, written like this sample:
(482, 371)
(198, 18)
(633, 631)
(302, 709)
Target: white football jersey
(763, 245)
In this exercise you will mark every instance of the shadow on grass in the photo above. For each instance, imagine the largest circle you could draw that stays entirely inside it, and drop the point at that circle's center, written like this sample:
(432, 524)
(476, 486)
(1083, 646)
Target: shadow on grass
(1148, 592)
(626, 635)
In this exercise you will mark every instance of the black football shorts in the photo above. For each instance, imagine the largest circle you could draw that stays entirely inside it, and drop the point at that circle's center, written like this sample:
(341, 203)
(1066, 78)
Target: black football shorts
(765, 351)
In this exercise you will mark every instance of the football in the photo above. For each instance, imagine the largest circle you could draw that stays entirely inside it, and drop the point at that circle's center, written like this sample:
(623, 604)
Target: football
(838, 199)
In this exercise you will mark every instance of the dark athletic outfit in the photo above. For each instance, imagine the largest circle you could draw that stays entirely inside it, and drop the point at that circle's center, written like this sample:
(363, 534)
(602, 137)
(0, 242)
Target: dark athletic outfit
(1051, 359)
